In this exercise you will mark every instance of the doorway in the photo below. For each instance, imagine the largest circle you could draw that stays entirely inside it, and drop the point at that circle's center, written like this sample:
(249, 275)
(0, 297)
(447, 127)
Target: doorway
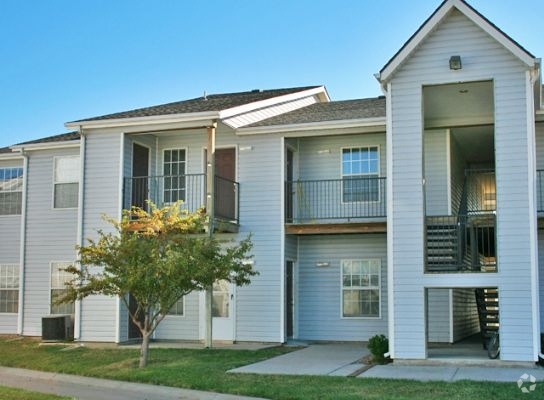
(140, 172)
(289, 299)
(224, 188)
(222, 311)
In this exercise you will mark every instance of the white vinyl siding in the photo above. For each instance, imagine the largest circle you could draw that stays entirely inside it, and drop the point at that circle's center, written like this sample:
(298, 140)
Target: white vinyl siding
(101, 315)
(50, 235)
(9, 288)
(318, 300)
(360, 288)
(66, 182)
(11, 190)
(59, 278)
(515, 247)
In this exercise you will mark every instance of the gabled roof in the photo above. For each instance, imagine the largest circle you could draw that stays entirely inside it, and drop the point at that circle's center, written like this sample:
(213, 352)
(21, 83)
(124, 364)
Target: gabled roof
(331, 111)
(207, 103)
(435, 19)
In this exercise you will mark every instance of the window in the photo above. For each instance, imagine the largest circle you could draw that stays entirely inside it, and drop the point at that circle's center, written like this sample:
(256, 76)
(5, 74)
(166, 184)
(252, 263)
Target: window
(66, 182)
(361, 288)
(9, 288)
(177, 308)
(174, 175)
(59, 278)
(360, 166)
(11, 190)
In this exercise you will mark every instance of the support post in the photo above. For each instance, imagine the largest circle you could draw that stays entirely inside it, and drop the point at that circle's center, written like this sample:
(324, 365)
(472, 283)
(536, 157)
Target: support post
(210, 210)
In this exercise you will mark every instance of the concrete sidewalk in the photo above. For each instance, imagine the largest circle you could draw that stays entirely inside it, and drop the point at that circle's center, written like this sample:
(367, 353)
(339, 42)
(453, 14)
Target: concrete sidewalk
(453, 373)
(83, 388)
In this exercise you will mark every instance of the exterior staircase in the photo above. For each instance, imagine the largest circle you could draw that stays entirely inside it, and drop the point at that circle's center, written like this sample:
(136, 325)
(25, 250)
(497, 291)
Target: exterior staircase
(487, 301)
(442, 244)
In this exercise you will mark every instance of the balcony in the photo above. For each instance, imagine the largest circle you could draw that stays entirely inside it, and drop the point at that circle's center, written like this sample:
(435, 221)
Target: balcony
(191, 189)
(352, 205)
(461, 243)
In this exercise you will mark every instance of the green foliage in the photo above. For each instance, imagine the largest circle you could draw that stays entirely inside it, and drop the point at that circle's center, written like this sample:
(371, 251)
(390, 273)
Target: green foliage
(157, 257)
(378, 346)
(20, 394)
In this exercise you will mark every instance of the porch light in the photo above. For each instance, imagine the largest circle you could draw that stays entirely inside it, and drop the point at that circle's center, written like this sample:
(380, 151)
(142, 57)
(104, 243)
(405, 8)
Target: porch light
(322, 264)
(455, 63)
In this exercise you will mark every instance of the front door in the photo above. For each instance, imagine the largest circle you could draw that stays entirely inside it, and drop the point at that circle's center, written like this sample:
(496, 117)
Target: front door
(289, 298)
(140, 172)
(225, 192)
(222, 311)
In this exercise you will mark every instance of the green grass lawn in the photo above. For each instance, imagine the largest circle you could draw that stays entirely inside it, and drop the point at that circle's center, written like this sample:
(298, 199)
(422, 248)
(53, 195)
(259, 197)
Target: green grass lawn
(18, 394)
(206, 370)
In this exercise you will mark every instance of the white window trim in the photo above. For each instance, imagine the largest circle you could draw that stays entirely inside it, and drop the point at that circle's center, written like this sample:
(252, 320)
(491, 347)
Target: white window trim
(17, 289)
(379, 316)
(56, 264)
(377, 146)
(161, 166)
(55, 182)
(15, 191)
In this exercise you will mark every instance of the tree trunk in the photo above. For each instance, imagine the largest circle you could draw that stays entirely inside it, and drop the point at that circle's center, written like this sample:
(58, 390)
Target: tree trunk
(144, 349)
(208, 341)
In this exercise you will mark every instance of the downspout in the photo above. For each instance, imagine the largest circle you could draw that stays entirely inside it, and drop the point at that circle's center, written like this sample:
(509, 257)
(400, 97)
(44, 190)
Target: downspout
(22, 246)
(79, 239)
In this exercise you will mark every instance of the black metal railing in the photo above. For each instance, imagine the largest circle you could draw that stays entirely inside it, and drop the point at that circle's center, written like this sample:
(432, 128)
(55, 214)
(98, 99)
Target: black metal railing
(190, 188)
(461, 243)
(540, 190)
(335, 200)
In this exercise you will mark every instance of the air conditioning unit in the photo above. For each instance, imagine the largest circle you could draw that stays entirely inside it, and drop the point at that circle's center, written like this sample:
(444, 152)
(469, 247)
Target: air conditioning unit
(57, 327)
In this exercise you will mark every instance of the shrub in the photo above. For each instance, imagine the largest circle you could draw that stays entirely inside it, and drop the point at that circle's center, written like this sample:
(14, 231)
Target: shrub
(378, 346)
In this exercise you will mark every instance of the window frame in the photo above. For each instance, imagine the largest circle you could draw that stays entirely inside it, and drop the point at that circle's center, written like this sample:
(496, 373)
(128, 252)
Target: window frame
(177, 315)
(55, 182)
(10, 289)
(58, 265)
(19, 206)
(360, 288)
(163, 163)
(376, 175)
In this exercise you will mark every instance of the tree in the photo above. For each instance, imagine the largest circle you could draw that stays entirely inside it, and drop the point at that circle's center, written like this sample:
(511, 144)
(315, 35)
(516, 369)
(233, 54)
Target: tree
(156, 257)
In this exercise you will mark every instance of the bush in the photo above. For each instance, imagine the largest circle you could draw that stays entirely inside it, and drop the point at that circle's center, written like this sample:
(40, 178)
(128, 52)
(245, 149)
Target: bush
(378, 346)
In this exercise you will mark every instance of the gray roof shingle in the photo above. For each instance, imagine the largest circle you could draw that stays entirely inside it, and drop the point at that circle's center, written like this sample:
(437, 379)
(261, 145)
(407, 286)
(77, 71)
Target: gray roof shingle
(212, 102)
(331, 111)
(63, 137)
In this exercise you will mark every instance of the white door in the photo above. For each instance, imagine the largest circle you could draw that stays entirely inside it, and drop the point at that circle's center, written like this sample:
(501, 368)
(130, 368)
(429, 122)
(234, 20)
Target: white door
(222, 311)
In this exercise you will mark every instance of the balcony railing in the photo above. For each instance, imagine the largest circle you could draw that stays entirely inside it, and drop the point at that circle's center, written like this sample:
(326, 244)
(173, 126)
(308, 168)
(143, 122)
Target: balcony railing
(190, 188)
(335, 200)
(461, 243)
(540, 190)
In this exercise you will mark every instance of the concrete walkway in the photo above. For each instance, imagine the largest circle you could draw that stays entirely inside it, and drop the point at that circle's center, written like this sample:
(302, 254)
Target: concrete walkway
(316, 359)
(83, 388)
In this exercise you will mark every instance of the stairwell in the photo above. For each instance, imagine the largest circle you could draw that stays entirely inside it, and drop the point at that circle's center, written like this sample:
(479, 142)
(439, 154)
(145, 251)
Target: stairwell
(487, 301)
(442, 244)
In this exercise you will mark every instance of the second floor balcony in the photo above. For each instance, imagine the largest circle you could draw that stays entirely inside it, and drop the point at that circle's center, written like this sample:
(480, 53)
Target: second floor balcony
(336, 205)
(191, 189)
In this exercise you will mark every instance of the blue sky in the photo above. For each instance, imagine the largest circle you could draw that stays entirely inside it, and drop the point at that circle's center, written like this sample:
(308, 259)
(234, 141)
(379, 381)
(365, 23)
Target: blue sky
(63, 60)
